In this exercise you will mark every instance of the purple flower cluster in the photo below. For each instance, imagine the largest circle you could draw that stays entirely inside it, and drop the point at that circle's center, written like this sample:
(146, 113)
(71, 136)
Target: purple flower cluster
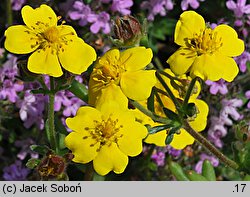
(242, 61)
(32, 108)
(10, 86)
(100, 21)
(228, 112)
(241, 12)
(159, 154)
(192, 3)
(155, 7)
(217, 87)
(15, 172)
(214, 161)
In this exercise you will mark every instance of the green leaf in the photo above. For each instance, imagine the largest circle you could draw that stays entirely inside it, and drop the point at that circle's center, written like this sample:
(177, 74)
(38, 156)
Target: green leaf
(208, 170)
(170, 114)
(151, 101)
(177, 171)
(193, 176)
(246, 178)
(156, 129)
(190, 110)
(42, 150)
(169, 139)
(79, 90)
(32, 163)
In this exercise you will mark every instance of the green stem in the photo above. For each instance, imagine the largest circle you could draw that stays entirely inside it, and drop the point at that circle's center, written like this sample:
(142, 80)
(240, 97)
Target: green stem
(158, 63)
(170, 93)
(9, 15)
(89, 173)
(169, 76)
(153, 116)
(211, 148)
(189, 91)
(51, 116)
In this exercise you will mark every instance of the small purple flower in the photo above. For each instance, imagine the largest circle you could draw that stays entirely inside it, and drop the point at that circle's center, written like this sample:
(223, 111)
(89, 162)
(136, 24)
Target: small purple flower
(9, 90)
(173, 152)
(156, 7)
(61, 99)
(159, 158)
(214, 161)
(247, 94)
(242, 61)
(192, 3)
(72, 108)
(217, 86)
(122, 6)
(100, 21)
(240, 8)
(15, 172)
(230, 108)
(80, 12)
(25, 149)
(17, 4)
(217, 131)
(31, 110)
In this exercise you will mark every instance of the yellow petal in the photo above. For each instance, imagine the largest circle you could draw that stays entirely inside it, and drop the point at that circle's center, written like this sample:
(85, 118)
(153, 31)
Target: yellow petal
(85, 117)
(231, 45)
(45, 62)
(190, 23)
(40, 18)
(111, 57)
(66, 31)
(137, 85)
(136, 58)
(20, 39)
(110, 158)
(181, 60)
(206, 67)
(83, 147)
(214, 67)
(200, 121)
(157, 138)
(77, 56)
(181, 140)
(112, 93)
(131, 141)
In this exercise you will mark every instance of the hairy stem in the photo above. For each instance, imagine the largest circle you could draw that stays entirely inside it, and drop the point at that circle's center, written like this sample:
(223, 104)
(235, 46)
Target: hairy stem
(51, 117)
(210, 147)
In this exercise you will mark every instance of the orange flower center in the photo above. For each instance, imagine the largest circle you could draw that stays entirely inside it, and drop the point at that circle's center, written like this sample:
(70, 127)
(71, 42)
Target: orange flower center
(51, 35)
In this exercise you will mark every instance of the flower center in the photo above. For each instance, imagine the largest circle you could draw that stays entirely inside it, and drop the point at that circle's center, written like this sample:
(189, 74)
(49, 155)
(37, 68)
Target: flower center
(51, 35)
(109, 73)
(105, 132)
(205, 42)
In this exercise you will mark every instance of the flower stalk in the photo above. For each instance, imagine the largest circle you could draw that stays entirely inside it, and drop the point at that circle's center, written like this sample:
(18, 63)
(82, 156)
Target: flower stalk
(9, 14)
(189, 92)
(51, 117)
(211, 148)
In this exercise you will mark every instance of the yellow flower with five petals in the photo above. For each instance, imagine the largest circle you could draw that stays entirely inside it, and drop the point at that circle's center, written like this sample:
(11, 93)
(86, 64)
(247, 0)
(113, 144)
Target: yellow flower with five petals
(125, 69)
(107, 134)
(51, 45)
(205, 52)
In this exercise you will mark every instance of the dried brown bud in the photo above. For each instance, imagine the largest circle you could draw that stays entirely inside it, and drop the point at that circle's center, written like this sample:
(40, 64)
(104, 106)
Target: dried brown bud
(127, 30)
(51, 166)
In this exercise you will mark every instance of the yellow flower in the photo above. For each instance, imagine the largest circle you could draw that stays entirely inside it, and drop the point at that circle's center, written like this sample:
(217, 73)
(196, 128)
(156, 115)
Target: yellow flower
(126, 70)
(107, 134)
(205, 52)
(198, 122)
(52, 45)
